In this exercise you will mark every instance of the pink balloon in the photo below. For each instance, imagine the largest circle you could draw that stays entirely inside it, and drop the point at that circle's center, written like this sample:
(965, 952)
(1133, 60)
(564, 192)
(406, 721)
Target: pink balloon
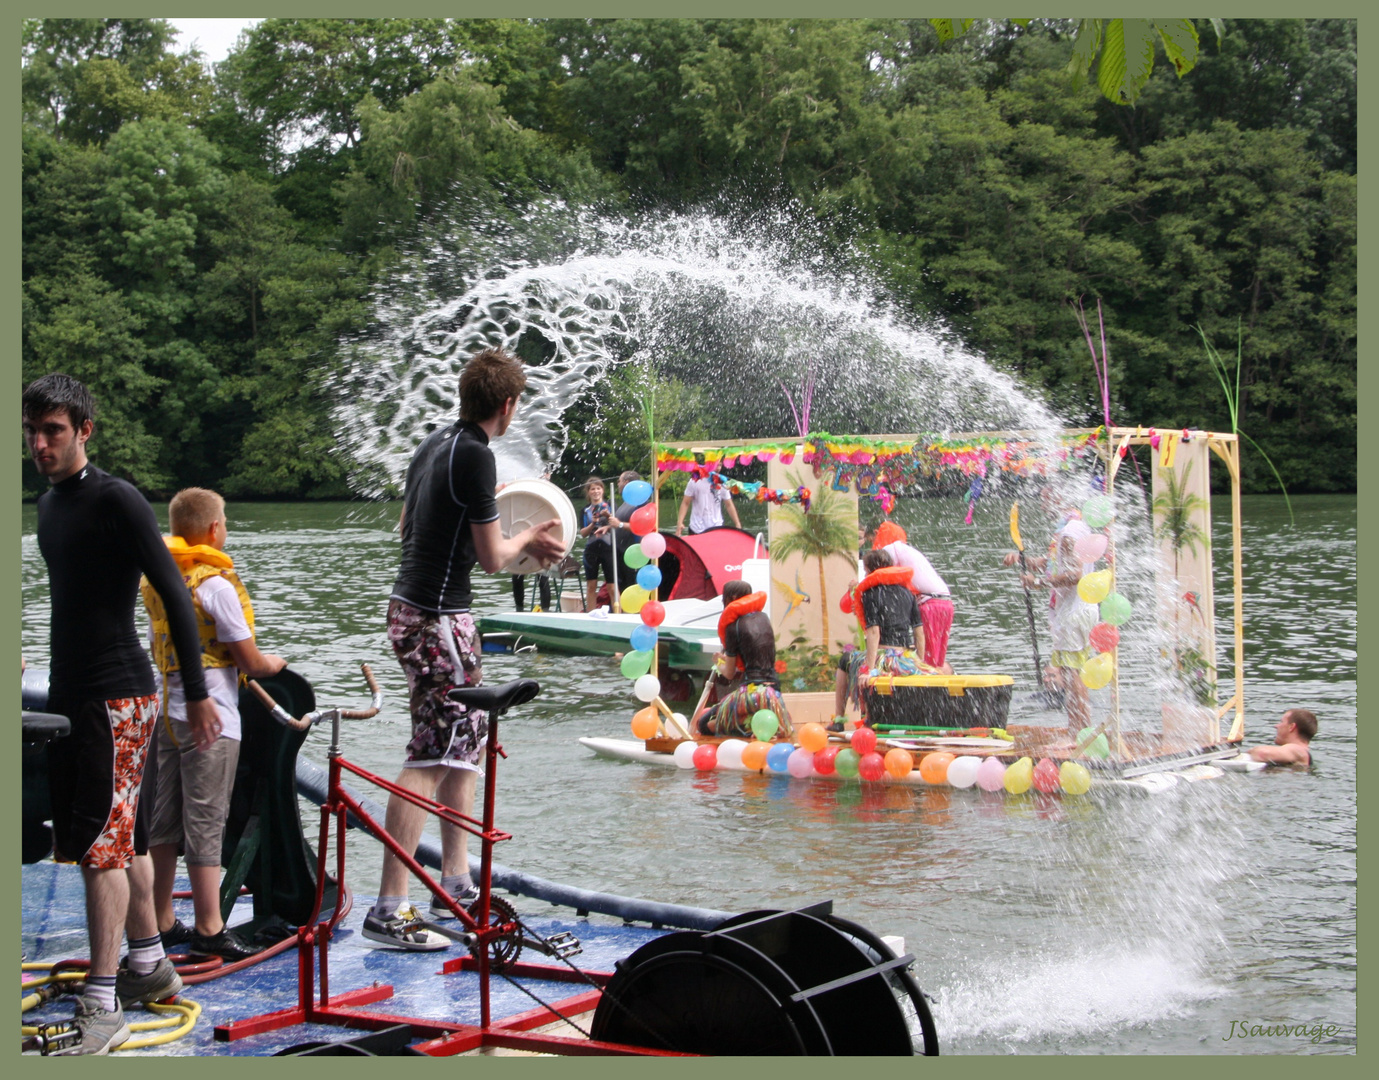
(991, 775)
(1046, 777)
(653, 545)
(1091, 547)
(1077, 529)
(800, 763)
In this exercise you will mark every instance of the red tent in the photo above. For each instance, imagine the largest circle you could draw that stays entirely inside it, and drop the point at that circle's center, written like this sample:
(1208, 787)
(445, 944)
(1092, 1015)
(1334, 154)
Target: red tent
(704, 562)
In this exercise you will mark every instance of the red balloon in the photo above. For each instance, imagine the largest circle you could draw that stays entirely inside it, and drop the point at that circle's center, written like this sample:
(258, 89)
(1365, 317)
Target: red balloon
(1104, 637)
(705, 756)
(644, 519)
(845, 603)
(863, 741)
(653, 613)
(823, 760)
(1046, 776)
(871, 767)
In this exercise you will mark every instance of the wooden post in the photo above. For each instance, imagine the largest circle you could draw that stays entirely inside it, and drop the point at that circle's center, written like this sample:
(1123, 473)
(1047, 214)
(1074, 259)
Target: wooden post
(1111, 458)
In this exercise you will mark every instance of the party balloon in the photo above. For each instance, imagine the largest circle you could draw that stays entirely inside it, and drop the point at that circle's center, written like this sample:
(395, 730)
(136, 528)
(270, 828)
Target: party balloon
(643, 521)
(1076, 529)
(991, 775)
(1098, 511)
(684, 754)
(845, 764)
(730, 753)
(653, 613)
(632, 599)
(1094, 587)
(648, 577)
(1097, 671)
(765, 724)
(647, 688)
(933, 768)
(681, 719)
(824, 760)
(778, 756)
(864, 741)
(1019, 776)
(643, 637)
(800, 763)
(813, 737)
(636, 493)
(1045, 776)
(644, 723)
(754, 757)
(900, 763)
(1074, 778)
(636, 664)
(1098, 748)
(845, 603)
(1115, 609)
(962, 771)
(1091, 547)
(871, 767)
(653, 545)
(705, 756)
(1104, 637)
(635, 557)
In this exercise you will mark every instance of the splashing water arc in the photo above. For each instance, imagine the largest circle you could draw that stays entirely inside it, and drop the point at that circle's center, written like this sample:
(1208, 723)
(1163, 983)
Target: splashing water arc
(693, 292)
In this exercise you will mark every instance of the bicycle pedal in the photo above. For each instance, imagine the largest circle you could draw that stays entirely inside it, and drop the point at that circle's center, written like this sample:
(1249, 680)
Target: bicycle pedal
(564, 945)
(55, 1036)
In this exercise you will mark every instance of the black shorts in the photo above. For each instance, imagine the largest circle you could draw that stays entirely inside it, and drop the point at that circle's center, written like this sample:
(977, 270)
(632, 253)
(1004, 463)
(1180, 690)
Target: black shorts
(94, 780)
(598, 554)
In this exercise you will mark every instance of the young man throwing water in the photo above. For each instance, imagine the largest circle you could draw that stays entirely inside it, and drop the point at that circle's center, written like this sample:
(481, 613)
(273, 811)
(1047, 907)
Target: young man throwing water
(449, 522)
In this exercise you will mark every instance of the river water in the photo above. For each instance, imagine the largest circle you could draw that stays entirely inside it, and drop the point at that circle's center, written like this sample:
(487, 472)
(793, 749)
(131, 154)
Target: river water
(1178, 923)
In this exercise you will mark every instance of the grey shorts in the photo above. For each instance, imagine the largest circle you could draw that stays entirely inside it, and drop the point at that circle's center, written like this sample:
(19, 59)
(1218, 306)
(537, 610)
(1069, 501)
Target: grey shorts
(193, 798)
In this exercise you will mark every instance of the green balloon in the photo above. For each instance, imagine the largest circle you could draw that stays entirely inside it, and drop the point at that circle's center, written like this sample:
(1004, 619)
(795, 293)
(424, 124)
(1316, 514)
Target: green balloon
(1098, 511)
(765, 723)
(636, 664)
(1115, 609)
(635, 557)
(846, 763)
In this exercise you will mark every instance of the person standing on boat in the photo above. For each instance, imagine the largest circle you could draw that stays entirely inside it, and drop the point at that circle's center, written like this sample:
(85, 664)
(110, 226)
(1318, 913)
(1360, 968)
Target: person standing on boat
(97, 535)
(1071, 620)
(935, 603)
(597, 527)
(1292, 740)
(449, 523)
(191, 795)
(745, 673)
(891, 624)
(705, 497)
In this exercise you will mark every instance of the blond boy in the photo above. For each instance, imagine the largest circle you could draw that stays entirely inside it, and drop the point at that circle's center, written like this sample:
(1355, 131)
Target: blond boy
(193, 786)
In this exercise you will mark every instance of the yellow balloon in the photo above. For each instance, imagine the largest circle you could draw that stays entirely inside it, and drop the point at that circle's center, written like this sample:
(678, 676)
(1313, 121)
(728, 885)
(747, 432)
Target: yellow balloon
(1019, 776)
(813, 737)
(1074, 778)
(1095, 587)
(644, 723)
(633, 598)
(1097, 671)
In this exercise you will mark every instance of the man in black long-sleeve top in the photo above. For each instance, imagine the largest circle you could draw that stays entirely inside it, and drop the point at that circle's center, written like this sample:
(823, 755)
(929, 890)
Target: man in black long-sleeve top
(97, 535)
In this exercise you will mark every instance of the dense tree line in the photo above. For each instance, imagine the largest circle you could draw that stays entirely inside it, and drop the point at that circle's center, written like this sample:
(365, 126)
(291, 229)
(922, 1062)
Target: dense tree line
(197, 244)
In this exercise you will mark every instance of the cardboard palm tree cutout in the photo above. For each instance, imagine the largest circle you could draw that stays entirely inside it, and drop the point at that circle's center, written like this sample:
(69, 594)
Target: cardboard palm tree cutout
(1182, 528)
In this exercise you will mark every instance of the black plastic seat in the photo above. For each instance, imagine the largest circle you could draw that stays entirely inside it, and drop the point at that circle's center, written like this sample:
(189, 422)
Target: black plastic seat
(42, 727)
(496, 699)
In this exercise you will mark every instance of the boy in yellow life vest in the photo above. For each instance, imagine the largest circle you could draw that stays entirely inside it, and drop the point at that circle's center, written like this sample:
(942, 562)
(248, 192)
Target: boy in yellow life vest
(192, 790)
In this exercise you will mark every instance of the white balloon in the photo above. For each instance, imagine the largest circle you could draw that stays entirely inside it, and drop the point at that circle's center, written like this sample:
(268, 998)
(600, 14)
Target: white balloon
(684, 754)
(962, 770)
(730, 753)
(647, 688)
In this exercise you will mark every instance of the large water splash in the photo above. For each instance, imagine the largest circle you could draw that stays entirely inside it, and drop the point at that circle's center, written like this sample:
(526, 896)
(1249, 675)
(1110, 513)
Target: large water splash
(737, 308)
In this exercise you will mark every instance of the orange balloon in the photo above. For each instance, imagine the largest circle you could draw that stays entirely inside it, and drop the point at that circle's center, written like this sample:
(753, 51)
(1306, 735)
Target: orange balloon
(933, 768)
(754, 756)
(813, 737)
(644, 723)
(899, 763)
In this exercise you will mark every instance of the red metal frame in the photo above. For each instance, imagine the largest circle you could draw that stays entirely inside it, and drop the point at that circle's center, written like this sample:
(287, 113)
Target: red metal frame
(443, 1038)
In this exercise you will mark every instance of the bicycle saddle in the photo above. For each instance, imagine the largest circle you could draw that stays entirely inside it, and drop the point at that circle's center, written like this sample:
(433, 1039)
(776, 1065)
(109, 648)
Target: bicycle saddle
(496, 699)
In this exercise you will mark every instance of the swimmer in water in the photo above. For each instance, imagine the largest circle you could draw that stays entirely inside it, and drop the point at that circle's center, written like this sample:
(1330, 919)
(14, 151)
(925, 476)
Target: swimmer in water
(1292, 738)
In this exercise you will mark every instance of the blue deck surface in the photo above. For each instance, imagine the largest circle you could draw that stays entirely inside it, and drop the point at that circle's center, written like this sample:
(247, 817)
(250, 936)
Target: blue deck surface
(54, 928)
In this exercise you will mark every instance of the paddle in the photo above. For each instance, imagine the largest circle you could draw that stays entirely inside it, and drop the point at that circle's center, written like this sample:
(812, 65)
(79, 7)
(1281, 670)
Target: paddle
(1042, 692)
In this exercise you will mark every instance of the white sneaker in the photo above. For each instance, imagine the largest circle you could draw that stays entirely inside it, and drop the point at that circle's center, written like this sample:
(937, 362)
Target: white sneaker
(403, 931)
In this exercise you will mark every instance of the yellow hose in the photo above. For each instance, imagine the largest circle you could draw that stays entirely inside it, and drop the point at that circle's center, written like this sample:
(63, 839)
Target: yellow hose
(175, 1020)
